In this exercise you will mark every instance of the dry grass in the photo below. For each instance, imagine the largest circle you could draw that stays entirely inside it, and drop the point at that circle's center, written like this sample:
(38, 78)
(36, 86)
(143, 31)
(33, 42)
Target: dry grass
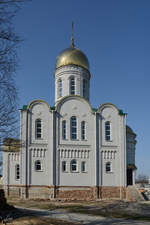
(113, 208)
(40, 204)
(32, 220)
(45, 204)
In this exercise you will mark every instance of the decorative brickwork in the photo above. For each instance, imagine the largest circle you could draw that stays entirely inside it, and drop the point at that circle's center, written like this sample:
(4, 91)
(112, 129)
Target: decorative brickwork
(68, 192)
(91, 193)
(12, 191)
(39, 192)
(112, 193)
(31, 192)
(76, 193)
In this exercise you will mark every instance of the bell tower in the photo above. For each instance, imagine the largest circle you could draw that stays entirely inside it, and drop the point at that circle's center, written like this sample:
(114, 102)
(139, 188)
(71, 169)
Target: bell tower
(72, 75)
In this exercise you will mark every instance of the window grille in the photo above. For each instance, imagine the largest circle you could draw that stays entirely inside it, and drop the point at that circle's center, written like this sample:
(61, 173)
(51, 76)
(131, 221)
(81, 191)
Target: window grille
(73, 165)
(17, 172)
(38, 128)
(38, 166)
(108, 167)
(83, 166)
(64, 129)
(60, 88)
(73, 127)
(64, 166)
(83, 130)
(107, 131)
(72, 86)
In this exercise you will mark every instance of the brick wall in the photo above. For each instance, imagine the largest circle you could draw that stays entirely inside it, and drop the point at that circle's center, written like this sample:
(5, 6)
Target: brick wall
(91, 193)
(112, 192)
(76, 193)
(12, 191)
(31, 192)
(39, 192)
(68, 192)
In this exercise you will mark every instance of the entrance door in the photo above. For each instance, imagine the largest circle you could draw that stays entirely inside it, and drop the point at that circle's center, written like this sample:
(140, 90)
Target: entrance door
(129, 177)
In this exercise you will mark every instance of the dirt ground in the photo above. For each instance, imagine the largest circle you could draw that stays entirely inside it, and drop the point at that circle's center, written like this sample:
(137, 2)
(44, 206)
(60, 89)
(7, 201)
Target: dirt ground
(42, 212)
(32, 220)
(113, 208)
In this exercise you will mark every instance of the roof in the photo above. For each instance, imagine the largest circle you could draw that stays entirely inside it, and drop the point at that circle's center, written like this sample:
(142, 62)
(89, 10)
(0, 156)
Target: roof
(131, 166)
(129, 130)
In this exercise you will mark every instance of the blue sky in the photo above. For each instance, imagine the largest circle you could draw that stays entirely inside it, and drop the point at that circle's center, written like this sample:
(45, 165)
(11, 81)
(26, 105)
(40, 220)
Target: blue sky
(115, 36)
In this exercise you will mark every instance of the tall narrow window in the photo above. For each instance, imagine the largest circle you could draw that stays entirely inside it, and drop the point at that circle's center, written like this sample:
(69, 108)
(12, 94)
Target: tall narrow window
(73, 165)
(72, 86)
(38, 128)
(17, 172)
(83, 167)
(107, 131)
(64, 129)
(60, 88)
(73, 128)
(84, 87)
(64, 166)
(38, 166)
(83, 130)
(108, 167)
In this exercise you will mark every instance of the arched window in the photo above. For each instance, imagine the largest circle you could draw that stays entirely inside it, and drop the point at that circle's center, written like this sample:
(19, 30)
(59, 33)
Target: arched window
(60, 88)
(107, 131)
(64, 129)
(38, 166)
(17, 172)
(83, 166)
(73, 128)
(38, 128)
(73, 165)
(72, 86)
(64, 166)
(83, 130)
(84, 87)
(108, 167)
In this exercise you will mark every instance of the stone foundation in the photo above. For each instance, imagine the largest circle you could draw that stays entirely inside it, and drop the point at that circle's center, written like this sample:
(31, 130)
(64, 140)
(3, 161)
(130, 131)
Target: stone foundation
(41, 192)
(112, 193)
(66, 192)
(31, 192)
(76, 193)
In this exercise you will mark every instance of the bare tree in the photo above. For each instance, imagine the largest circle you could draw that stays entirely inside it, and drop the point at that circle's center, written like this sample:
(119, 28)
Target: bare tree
(8, 64)
(9, 42)
(142, 179)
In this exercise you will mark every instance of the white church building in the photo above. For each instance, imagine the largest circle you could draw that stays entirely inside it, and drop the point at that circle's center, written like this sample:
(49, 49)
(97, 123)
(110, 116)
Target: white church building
(70, 150)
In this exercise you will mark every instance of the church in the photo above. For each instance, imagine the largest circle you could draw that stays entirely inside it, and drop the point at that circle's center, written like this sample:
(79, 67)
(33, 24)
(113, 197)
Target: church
(71, 150)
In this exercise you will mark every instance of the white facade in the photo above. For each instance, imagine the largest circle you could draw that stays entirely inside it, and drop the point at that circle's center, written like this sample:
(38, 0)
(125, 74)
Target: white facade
(69, 146)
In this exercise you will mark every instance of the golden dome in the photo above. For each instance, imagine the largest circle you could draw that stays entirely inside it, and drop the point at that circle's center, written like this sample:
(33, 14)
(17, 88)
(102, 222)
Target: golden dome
(72, 56)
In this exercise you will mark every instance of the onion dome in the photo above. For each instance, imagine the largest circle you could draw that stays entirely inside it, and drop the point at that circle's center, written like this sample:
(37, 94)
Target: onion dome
(72, 56)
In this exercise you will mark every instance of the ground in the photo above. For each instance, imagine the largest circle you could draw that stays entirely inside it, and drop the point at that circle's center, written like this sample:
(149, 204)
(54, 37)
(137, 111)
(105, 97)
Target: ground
(93, 213)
